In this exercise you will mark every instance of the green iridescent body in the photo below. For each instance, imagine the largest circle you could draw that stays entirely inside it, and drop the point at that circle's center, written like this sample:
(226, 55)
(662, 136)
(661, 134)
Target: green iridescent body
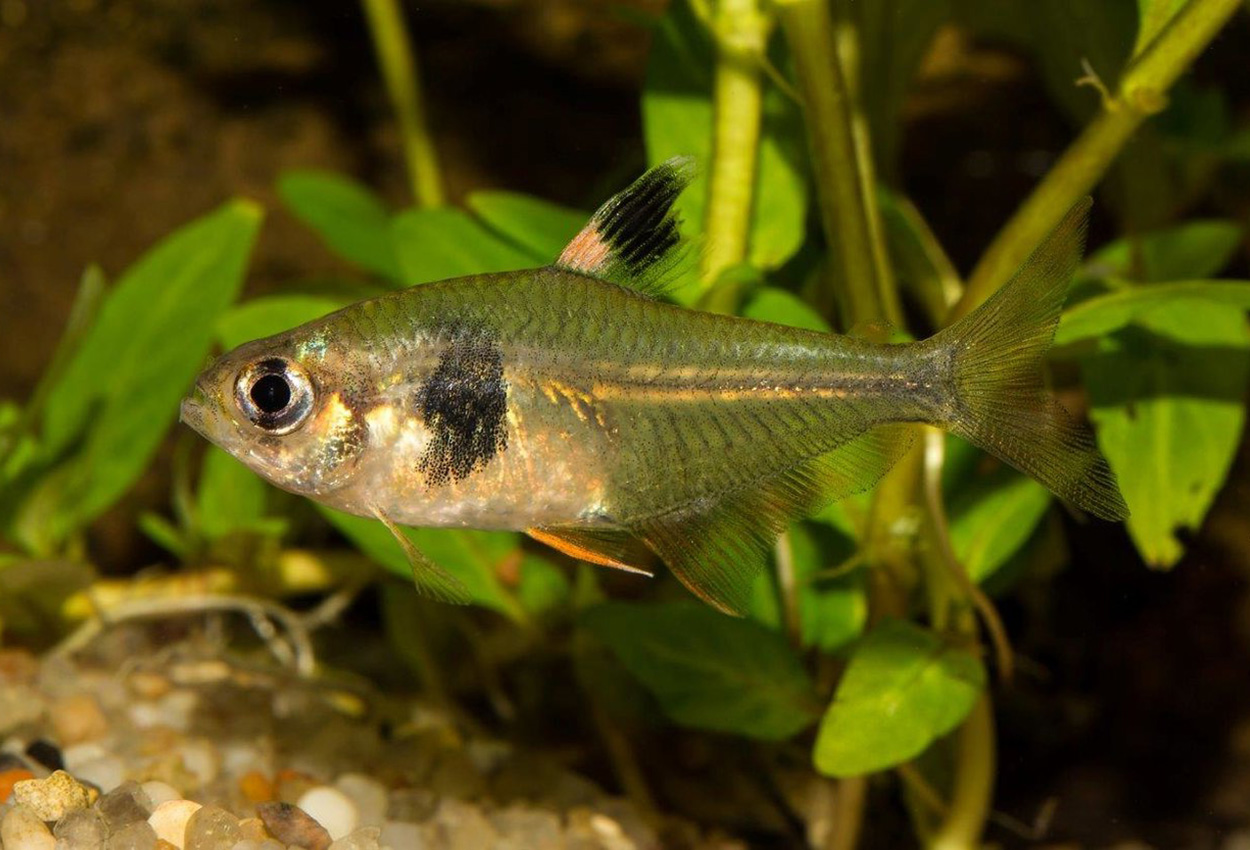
(564, 402)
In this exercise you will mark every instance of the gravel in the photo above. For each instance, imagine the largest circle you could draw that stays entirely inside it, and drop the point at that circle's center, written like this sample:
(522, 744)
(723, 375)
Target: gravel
(194, 749)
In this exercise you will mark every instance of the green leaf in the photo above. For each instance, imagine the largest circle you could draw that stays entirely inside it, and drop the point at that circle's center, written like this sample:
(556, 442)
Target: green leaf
(150, 337)
(832, 609)
(540, 227)
(770, 304)
(903, 689)
(893, 38)
(230, 496)
(707, 670)
(1190, 251)
(1152, 17)
(1167, 396)
(436, 244)
(262, 317)
(920, 263)
(474, 557)
(1103, 314)
(350, 219)
(992, 517)
(677, 120)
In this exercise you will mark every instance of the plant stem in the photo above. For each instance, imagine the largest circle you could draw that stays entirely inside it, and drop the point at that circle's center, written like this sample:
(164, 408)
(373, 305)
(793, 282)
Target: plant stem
(740, 29)
(850, 798)
(1142, 92)
(969, 806)
(842, 162)
(403, 85)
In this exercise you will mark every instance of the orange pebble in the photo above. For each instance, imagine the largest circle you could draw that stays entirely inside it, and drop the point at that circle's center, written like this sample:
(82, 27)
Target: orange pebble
(9, 777)
(256, 787)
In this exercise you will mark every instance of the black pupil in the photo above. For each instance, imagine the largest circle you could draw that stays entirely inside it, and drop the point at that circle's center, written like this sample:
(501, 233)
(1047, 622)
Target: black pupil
(271, 393)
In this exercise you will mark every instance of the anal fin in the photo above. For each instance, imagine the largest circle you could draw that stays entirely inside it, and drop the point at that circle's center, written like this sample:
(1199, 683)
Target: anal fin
(717, 549)
(602, 547)
(431, 579)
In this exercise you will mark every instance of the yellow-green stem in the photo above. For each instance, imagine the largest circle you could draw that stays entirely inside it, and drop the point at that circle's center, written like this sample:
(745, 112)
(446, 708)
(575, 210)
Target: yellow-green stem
(1142, 92)
(969, 806)
(740, 29)
(403, 85)
(841, 160)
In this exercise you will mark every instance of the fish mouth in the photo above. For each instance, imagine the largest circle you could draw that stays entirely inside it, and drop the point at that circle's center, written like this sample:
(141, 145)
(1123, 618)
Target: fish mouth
(191, 411)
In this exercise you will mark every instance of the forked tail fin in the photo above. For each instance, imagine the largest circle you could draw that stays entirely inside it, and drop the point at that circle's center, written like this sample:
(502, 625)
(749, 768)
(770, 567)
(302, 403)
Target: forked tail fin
(1003, 406)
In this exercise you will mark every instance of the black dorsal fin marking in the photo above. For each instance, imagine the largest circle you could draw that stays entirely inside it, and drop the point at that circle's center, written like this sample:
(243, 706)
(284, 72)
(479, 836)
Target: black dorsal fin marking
(632, 240)
(717, 550)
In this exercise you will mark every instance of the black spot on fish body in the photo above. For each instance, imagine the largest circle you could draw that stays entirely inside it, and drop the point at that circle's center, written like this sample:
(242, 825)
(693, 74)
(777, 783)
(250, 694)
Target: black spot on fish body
(464, 404)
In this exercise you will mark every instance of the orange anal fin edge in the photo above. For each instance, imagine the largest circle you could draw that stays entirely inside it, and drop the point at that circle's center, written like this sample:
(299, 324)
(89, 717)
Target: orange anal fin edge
(575, 548)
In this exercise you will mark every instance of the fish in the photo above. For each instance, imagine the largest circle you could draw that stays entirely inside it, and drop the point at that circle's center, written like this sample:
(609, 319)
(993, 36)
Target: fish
(574, 403)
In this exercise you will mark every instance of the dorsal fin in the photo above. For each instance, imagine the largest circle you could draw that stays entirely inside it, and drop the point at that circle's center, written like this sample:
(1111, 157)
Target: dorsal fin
(632, 239)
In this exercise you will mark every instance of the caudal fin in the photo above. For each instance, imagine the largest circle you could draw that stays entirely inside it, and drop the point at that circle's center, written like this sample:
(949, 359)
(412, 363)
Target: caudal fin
(1003, 405)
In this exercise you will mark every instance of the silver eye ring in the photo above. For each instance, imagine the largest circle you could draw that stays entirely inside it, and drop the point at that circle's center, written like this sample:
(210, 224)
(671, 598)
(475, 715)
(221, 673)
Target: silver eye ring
(275, 394)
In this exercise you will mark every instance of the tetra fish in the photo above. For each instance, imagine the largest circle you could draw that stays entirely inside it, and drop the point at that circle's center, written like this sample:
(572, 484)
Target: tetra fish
(571, 403)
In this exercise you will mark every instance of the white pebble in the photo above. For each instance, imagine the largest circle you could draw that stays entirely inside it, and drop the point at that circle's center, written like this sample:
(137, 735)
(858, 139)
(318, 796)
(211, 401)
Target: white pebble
(368, 794)
(401, 835)
(105, 773)
(365, 838)
(200, 760)
(81, 754)
(160, 792)
(170, 820)
(21, 830)
(331, 808)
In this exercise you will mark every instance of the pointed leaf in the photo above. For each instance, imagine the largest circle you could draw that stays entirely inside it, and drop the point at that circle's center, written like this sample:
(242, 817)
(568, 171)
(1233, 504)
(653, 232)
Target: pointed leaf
(436, 244)
(1167, 396)
(1103, 314)
(540, 227)
(708, 670)
(150, 337)
(903, 689)
(349, 218)
(262, 317)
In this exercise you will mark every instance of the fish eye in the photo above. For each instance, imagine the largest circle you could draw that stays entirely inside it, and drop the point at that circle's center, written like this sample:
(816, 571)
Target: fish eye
(274, 394)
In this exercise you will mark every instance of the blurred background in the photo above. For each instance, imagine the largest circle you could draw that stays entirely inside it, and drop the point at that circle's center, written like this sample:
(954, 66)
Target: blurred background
(120, 119)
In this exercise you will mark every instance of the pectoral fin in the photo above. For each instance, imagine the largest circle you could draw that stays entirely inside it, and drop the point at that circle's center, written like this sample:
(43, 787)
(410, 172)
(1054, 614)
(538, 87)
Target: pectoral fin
(603, 547)
(430, 579)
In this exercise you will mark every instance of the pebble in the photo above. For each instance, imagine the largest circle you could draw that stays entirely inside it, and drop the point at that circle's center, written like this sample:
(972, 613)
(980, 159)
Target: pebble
(81, 829)
(49, 799)
(46, 753)
(460, 826)
(137, 836)
(200, 760)
(21, 829)
(105, 773)
(159, 792)
(169, 820)
(9, 778)
(255, 787)
(331, 808)
(77, 718)
(401, 835)
(212, 828)
(531, 829)
(368, 794)
(365, 838)
(126, 804)
(291, 825)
